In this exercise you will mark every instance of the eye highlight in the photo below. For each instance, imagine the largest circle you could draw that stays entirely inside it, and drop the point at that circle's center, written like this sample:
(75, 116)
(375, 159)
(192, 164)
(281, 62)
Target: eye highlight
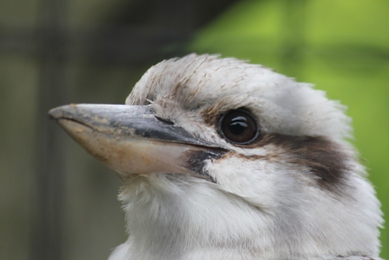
(238, 126)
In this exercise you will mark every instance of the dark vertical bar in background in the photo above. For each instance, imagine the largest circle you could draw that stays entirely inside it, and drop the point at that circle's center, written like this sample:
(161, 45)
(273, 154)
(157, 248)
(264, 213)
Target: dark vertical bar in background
(50, 172)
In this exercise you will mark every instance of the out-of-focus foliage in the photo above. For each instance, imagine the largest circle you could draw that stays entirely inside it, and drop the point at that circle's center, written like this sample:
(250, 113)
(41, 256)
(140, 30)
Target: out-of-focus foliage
(341, 46)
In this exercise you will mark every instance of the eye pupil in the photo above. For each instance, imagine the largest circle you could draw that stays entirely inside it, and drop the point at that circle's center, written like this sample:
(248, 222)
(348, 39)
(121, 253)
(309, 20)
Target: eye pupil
(238, 126)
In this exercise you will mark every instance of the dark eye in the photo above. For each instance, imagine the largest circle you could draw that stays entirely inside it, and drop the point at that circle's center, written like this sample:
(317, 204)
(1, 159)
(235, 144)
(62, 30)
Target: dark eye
(238, 126)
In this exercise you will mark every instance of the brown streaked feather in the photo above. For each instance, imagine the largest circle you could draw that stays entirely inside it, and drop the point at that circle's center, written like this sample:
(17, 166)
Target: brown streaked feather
(324, 158)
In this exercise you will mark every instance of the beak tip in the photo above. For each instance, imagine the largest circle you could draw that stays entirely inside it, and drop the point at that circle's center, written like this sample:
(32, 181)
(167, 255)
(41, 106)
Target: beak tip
(53, 113)
(61, 111)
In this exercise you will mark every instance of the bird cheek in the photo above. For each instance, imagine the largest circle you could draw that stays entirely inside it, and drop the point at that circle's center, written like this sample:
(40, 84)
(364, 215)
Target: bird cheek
(250, 180)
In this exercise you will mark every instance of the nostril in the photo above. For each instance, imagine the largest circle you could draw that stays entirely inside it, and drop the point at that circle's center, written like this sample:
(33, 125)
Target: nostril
(165, 120)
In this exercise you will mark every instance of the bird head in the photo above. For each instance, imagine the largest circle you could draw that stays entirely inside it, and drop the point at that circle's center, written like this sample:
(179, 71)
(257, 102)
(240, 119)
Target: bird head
(223, 159)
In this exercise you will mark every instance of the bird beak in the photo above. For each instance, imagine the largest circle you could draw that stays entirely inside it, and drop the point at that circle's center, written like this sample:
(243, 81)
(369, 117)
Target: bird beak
(132, 140)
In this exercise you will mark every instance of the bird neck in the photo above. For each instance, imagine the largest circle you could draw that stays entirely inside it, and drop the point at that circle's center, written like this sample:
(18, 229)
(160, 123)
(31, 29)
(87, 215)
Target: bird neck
(168, 217)
(172, 218)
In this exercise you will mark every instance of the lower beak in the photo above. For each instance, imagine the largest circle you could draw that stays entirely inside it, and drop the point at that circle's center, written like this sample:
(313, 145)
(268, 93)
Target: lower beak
(132, 140)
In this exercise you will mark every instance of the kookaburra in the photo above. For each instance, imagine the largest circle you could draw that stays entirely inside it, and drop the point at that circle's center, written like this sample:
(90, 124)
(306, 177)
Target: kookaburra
(222, 159)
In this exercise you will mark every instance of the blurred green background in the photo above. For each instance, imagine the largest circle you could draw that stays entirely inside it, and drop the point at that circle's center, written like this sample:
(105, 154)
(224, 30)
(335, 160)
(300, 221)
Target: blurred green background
(59, 203)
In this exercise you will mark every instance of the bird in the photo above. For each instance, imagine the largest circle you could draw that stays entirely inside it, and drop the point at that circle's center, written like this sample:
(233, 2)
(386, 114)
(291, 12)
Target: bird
(224, 159)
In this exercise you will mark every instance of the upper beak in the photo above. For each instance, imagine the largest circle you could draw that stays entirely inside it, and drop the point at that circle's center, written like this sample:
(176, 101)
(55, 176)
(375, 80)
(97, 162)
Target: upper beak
(132, 140)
